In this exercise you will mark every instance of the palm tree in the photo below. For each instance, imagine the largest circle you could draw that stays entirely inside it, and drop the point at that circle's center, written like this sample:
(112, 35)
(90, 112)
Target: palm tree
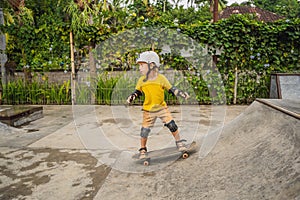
(214, 5)
(82, 13)
(221, 3)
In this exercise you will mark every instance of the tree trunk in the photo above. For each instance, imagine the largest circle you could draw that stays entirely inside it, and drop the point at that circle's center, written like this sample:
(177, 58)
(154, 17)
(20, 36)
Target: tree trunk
(215, 10)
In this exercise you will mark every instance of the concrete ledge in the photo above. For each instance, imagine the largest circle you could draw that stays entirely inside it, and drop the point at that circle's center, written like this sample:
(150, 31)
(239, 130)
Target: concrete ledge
(19, 115)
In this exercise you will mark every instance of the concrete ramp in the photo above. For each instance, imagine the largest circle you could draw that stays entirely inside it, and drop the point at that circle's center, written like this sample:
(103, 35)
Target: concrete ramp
(256, 157)
(258, 154)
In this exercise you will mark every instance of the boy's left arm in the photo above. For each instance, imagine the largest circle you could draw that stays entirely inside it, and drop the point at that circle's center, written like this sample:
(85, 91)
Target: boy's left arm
(133, 96)
(177, 92)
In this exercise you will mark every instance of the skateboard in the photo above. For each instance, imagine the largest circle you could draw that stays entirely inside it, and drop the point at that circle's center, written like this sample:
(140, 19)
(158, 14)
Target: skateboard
(165, 153)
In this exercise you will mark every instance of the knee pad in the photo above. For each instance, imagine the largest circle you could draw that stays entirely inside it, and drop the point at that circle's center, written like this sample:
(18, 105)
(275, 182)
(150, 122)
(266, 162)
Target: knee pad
(172, 126)
(145, 132)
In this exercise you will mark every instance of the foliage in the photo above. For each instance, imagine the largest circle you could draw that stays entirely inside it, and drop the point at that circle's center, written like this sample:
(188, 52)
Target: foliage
(38, 38)
(256, 49)
(35, 37)
(287, 8)
(105, 88)
(19, 92)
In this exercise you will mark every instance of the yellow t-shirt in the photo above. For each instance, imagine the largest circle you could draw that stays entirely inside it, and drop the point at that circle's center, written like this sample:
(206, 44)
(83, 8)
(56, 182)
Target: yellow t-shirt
(154, 92)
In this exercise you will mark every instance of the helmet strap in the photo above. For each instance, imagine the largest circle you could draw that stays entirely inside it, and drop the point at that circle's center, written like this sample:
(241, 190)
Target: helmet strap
(149, 71)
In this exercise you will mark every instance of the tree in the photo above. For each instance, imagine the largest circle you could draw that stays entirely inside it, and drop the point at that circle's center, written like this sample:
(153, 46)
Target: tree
(92, 22)
(221, 4)
(214, 6)
(81, 14)
(287, 8)
(35, 34)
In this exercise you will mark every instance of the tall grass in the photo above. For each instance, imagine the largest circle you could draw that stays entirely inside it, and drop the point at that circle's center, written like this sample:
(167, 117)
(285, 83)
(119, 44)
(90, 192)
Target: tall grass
(110, 89)
(19, 92)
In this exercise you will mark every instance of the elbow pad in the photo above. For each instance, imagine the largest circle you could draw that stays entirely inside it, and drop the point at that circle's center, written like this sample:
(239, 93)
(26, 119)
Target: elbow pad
(137, 93)
(133, 96)
(178, 92)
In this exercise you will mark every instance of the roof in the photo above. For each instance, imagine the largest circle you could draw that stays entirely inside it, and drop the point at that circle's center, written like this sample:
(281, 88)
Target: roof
(262, 15)
(16, 3)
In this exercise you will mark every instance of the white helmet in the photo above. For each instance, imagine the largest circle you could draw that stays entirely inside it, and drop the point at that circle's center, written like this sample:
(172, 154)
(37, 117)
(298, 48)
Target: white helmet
(149, 57)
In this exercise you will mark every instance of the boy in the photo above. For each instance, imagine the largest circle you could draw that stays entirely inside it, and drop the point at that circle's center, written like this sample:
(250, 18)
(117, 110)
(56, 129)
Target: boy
(153, 84)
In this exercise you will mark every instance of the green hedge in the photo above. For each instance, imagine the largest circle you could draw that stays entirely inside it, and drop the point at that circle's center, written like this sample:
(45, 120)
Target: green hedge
(255, 49)
(249, 48)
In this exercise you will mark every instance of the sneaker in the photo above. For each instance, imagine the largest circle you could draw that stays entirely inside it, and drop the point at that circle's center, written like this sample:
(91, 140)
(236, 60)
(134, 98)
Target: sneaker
(181, 145)
(143, 153)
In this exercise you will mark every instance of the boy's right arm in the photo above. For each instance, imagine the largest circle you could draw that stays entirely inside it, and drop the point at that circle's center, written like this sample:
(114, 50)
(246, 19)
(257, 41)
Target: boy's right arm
(133, 96)
(176, 92)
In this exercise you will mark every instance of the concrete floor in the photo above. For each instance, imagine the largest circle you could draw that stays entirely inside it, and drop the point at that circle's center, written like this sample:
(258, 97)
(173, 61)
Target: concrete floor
(84, 152)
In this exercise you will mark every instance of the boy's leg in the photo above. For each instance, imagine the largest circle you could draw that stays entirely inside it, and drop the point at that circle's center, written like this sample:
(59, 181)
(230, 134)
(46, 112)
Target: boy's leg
(144, 137)
(174, 130)
(167, 119)
(148, 122)
(170, 123)
(143, 142)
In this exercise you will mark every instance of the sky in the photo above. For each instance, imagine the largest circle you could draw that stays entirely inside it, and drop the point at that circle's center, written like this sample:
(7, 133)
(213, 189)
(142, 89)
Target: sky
(233, 1)
(228, 4)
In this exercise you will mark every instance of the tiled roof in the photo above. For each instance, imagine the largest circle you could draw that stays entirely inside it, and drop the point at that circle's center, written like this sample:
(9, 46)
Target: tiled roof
(262, 15)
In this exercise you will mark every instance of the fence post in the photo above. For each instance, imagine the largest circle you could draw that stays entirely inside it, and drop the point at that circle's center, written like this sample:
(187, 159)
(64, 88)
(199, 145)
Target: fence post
(73, 73)
(235, 84)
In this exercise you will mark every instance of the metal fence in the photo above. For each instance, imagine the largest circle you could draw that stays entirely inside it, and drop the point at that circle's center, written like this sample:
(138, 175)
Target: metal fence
(114, 91)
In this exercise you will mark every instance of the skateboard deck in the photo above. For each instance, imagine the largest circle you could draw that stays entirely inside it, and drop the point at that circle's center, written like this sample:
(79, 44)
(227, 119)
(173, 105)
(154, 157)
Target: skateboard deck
(165, 153)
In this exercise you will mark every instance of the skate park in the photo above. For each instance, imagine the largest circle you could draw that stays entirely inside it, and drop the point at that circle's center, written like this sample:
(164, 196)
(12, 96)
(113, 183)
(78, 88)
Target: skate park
(83, 152)
(53, 146)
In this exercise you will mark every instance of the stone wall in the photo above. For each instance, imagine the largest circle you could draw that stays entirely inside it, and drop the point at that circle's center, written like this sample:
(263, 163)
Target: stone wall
(59, 77)
(52, 77)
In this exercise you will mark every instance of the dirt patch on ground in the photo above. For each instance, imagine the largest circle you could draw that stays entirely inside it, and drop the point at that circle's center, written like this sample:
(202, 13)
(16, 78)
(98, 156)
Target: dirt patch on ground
(72, 174)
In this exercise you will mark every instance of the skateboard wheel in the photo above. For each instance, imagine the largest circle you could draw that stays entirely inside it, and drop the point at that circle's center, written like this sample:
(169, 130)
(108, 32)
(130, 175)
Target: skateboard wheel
(185, 155)
(146, 163)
